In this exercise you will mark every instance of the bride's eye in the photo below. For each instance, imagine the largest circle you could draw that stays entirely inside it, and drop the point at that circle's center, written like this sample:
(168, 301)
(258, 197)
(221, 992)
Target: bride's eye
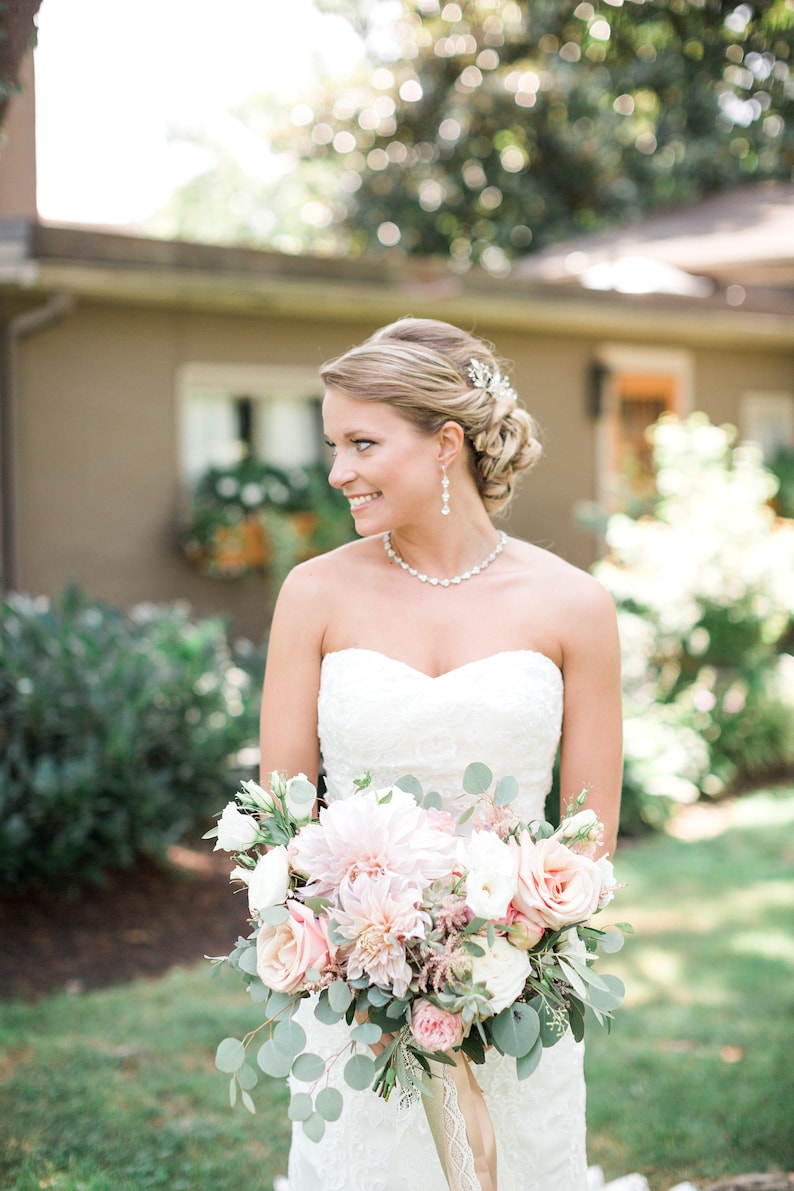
(331, 447)
(361, 444)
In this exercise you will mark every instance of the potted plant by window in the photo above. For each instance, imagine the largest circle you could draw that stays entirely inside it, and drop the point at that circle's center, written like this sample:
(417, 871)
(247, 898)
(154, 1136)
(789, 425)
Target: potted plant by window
(252, 518)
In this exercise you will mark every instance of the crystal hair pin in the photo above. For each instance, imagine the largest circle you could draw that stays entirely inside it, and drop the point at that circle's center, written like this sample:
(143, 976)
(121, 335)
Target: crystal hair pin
(482, 376)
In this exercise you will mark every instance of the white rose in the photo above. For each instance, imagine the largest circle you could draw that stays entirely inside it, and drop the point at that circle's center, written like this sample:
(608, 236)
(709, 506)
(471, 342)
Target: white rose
(608, 882)
(236, 832)
(503, 969)
(258, 796)
(492, 876)
(300, 798)
(583, 823)
(268, 883)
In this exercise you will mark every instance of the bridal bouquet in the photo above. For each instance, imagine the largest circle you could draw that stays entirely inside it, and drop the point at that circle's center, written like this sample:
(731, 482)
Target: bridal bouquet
(430, 945)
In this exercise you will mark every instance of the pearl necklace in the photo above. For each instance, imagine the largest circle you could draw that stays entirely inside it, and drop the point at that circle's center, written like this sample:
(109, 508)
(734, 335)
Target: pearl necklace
(394, 556)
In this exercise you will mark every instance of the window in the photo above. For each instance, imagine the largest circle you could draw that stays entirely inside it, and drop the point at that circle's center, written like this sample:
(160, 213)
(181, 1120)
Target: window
(230, 412)
(768, 419)
(633, 388)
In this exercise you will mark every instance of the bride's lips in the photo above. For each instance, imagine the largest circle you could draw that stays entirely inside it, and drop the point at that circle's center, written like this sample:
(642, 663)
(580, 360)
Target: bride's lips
(362, 500)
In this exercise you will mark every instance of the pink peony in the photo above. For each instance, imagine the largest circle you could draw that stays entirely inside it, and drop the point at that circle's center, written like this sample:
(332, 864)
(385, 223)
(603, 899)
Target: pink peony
(553, 881)
(376, 833)
(434, 1028)
(286, 952)
(378, 915)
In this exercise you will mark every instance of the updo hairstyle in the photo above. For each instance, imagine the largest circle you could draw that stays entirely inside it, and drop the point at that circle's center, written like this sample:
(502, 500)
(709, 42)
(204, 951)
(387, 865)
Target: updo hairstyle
(421, 367)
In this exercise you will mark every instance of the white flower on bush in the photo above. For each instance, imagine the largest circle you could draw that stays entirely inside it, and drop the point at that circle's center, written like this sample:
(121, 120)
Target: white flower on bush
(268, 883)
(236, 832)
(583, 827)
(492, 876)
(503, 969)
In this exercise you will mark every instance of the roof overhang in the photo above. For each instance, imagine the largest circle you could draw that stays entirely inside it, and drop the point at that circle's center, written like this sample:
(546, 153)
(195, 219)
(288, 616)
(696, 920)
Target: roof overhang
(98, 266)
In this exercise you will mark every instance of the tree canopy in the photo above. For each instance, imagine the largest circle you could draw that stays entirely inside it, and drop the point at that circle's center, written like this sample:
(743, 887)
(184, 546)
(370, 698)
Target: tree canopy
(485, 129)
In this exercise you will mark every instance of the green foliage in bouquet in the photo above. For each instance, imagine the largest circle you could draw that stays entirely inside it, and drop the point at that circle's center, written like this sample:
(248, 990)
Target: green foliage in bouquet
(256, 519)
(116, 731)
(705, 600)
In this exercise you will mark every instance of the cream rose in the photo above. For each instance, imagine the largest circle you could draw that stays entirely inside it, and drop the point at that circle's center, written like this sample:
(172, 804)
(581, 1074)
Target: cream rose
(236, 832)
(562, 886)
(503, 969)
(493, 874)
(434, 1028)
(287, 951)
(269, 881)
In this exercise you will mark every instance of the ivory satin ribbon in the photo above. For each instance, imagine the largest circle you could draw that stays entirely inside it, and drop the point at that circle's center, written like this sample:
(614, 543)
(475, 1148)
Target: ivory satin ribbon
(461, 1126)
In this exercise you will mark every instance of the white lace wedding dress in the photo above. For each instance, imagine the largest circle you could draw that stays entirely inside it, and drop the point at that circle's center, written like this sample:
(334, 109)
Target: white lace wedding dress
(381, 715)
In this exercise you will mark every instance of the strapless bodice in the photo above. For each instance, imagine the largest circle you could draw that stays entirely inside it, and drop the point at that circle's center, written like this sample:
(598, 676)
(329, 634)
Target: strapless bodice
(379, 714)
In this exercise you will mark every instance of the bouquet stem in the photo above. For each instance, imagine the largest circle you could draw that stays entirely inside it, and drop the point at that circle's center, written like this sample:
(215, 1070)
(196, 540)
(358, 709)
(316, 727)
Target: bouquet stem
(461, 1126)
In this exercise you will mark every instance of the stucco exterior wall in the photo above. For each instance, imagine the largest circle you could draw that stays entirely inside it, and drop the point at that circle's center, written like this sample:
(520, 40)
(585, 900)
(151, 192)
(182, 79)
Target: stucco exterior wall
(98, 440)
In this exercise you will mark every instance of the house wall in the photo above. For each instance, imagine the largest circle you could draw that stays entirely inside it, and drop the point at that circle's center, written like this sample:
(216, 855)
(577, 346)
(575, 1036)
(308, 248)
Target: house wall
(98, 441)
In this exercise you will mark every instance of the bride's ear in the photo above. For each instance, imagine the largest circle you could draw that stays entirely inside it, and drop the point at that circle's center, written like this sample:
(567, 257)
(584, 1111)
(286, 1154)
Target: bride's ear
(450, 442)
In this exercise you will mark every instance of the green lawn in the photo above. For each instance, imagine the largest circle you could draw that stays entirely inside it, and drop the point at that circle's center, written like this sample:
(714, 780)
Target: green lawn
(117, 1091)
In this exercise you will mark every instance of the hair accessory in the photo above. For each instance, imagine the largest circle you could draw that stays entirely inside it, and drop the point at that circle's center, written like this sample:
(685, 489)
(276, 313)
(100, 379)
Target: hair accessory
(482, 376)
(444, 491)
(457, 579)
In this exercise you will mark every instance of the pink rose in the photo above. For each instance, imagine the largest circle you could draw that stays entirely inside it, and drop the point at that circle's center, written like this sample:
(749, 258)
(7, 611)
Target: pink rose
(553, 881)
(286, 952)
(526, 928)
(434, 1028)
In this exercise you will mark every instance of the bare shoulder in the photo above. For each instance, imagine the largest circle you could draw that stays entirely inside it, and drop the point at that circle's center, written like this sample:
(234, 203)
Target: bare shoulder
(310, 591)
(579, 600)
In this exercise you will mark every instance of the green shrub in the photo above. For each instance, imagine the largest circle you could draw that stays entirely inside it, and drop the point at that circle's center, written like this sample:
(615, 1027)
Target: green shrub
(705, 595)
(117, 732)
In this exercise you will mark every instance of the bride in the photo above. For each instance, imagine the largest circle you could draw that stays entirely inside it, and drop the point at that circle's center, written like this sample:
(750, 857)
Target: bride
(433, 641)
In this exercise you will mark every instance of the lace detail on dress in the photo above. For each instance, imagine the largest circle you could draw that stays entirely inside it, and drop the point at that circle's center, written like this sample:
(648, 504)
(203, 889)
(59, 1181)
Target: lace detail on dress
(378, 714)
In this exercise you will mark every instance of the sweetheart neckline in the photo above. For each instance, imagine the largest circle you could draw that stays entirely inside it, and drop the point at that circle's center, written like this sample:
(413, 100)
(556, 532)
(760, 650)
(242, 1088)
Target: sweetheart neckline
(536, 653)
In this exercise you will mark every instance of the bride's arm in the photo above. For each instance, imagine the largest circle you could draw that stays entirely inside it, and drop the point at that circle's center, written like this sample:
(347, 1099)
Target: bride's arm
(288, 717)
(592, 736)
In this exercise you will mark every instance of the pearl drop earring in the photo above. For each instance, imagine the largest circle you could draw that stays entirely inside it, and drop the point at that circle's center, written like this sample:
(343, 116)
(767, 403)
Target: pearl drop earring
(444, 491)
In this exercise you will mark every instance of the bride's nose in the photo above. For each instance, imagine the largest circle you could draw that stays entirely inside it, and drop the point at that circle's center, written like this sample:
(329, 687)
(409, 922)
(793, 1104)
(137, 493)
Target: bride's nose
(341, 472)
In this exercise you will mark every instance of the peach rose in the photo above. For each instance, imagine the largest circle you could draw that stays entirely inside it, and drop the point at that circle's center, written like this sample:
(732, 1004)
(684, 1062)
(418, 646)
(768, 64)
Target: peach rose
(287, 951)
(556, 882)
(434, 1028)
(526, 928)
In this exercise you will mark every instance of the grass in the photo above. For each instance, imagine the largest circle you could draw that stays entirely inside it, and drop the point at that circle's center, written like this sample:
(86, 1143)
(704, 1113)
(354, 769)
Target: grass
(117, 1091)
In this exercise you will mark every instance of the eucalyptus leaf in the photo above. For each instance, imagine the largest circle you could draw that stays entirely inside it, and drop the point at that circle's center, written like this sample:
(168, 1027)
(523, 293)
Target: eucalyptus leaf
(506, 791)
(324, 1012)
(359, 1072)
(281, 1003)
(273, 915)
(529, 1062)
(247, 961)
(248, 1077)
(378, 996)
(339, 996)
(432, 801)
(248, 1102)
(314, 1127)
(472, 948)
(611, 942)
(308, 1067)
(477, 778)
(230, 1055)
(396, 1009)
(329, 1104)
(232, 1091)
(411, 785)
(257, 991)
(273, 1060)
(301, 791)
(300, 1106)
(515, 1030)
(609, 997)
(367, 1033)
(290, 1037)
(572, 976)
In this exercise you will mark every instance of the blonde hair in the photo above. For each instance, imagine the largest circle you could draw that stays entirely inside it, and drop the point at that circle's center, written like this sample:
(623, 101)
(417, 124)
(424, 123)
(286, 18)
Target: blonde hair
(428, 371)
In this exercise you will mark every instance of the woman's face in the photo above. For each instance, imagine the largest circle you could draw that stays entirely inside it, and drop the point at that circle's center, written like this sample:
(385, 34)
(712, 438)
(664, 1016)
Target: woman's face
(389, 472)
